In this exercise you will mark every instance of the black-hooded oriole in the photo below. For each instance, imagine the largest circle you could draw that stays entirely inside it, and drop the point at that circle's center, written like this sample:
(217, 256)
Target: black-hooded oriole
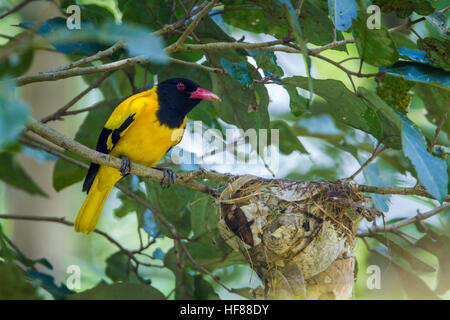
(141, 129)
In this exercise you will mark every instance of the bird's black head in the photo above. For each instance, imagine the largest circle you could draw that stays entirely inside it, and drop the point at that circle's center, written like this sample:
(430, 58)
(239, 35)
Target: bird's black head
(178, 96)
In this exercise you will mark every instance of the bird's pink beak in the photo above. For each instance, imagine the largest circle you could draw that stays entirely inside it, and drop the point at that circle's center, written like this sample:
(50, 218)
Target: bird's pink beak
(204, 95)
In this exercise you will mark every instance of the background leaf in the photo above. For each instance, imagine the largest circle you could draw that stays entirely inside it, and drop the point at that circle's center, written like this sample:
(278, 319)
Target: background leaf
(432, 171)
(13, 174)
(13, 114)
(119, 291)
(342, 13)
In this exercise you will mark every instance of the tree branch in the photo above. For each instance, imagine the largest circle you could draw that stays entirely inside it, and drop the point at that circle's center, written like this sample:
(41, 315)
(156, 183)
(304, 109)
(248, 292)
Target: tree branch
(16, 8)
(375, 153)
(63, 74)
(187, 178)
(394, 226)
(197, 65)
(418, 191)
(131, 195)
(179, 43)
(99, 55)
(62, 111)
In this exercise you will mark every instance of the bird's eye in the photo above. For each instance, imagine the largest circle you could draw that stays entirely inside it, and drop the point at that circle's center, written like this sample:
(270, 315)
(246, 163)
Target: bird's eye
(180, 86)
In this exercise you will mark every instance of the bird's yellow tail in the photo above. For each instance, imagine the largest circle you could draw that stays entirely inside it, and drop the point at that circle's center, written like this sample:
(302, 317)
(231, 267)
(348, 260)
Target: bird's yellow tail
(91, 209)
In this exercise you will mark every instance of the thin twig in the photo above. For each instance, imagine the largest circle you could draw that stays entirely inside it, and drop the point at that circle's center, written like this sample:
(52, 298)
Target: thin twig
(16, 8)
(418, 191)
(99, 55)
(439, 127)
(99, 105)
(197, 65)
(179, 43)
(394, 226)
(62, 111)
(375, 153)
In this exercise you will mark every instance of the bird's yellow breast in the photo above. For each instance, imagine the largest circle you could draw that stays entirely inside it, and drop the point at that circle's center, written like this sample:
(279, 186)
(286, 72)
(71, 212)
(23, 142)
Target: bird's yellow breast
(147, 140)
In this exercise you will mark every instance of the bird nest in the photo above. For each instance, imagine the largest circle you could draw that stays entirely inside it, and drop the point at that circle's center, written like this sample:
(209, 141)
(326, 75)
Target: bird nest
(297, 236)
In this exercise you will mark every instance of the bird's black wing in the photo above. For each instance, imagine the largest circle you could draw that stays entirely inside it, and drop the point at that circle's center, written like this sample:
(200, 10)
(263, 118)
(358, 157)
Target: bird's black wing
(104, 147)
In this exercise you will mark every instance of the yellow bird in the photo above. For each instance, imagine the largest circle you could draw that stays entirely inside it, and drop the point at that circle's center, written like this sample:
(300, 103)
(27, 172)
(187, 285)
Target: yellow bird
(141, 129)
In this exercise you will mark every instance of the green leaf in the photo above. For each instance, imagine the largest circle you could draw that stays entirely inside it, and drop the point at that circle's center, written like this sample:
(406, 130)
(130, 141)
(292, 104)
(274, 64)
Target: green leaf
(119, 291)
(96, 11)
(404, 8)
(65, 173)
(438, 21)
(436, 101)
(343, 105)
(415, 288)
(238, 71)
(146, 12)
(438, 50)
(13, 174)
(216, 255)
(184, 282)
(316, 26)
(203, 215)
(403, 250)
(257, 17)
(47, 282)
(37, 154)
(414, 55)
(173, 204)
(419, 73)
(13, 114)
(288, 142)
(375, 46)
(118, 266)
(439, 246)
(127, 206)
(374, 178)
(14, 285)
(432, 171)
(267, 60)
(295, 25)
(16, 64)
(395, 92)
(138, 40)
(203, 289)
(238, 101)
(391, 121)
(297, 103)
(402, 40)
(342, 13)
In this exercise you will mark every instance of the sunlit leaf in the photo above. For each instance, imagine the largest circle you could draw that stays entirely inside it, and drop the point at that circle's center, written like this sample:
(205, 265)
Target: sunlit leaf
(342, 13)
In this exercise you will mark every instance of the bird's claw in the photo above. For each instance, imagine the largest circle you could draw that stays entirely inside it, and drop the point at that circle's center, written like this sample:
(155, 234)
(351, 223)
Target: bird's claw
(170, 175)
(126, 166)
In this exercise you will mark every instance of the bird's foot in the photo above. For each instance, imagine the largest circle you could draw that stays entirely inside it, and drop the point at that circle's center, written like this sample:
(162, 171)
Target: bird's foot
(168, 175)
(126, 166)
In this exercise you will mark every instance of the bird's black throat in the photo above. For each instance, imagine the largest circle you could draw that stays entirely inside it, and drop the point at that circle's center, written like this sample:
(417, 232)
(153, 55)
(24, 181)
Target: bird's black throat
(173, 107)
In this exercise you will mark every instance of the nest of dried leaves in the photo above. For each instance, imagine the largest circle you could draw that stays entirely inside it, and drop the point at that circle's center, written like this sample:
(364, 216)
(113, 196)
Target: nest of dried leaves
(297, 236)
